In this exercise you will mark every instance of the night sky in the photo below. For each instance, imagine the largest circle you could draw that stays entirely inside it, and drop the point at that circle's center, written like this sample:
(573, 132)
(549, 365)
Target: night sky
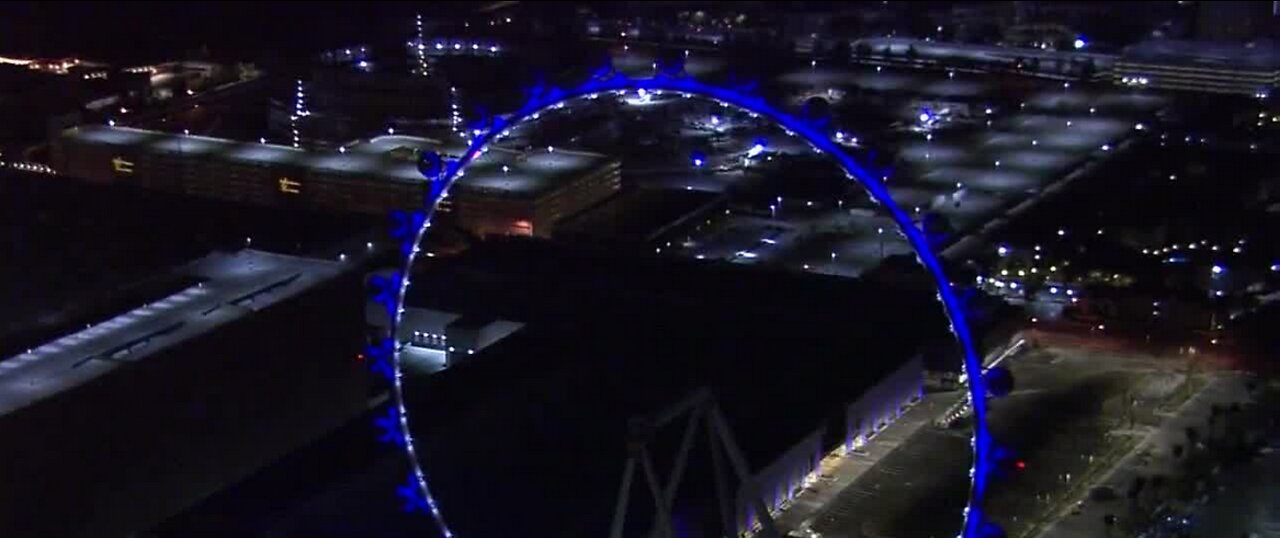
(129, 32)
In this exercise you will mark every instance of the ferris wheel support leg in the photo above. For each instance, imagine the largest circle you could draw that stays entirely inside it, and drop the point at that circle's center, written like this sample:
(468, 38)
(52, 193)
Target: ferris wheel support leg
(624, 497)
(767, 527)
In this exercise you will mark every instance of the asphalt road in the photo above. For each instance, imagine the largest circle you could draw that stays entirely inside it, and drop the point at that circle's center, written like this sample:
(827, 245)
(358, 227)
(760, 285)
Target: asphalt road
(1088, 523)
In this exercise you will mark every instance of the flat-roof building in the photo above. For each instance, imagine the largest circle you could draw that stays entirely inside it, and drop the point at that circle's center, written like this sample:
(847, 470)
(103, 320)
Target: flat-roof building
(431, 340)
(114, 427)
(1251, 69)
(503, 192)
(529, 193)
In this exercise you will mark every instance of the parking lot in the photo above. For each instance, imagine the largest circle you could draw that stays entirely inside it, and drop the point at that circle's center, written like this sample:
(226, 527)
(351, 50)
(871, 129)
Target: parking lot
(968, 170)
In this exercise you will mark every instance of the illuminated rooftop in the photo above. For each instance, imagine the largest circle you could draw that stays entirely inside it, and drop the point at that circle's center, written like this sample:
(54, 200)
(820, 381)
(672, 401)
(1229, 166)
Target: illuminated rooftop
(499, 170)
(230, 286)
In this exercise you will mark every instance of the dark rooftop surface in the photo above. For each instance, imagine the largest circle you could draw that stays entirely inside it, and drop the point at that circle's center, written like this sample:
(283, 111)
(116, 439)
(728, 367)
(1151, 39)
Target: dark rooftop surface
(1261, 54)
(228, 286)
(116, 246)
(545, 411)
(636, 215)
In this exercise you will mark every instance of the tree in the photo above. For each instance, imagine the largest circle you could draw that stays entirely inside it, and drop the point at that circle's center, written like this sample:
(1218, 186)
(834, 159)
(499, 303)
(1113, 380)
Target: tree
(912, 53)
(1158, 483)
(1215, 419)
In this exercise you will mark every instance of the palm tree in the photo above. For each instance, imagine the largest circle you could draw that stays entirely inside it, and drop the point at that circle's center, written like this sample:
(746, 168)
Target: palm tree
(1215, 416)
(1158, 485)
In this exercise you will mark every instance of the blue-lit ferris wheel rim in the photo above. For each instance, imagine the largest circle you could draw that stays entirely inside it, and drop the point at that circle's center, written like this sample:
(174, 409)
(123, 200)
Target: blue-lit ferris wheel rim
(412, 230)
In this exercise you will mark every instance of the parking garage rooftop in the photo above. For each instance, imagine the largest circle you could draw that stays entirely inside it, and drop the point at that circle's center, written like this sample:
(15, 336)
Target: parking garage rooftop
(1263, 54)
(226, 287)
(498, 171)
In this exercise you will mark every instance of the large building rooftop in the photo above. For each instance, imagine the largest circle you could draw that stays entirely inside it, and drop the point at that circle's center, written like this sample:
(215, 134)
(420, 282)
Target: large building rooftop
(498, 171)
(1259, 55)
(228, 287)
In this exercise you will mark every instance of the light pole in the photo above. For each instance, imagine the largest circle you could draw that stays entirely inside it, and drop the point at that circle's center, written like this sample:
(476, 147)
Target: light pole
(880, 233)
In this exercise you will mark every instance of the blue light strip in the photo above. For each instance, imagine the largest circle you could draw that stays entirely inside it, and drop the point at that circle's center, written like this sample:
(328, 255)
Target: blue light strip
(542, 99)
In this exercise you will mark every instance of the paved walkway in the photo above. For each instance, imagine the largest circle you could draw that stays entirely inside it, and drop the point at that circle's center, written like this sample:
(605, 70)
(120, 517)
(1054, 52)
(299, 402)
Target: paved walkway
(836, 472)
(1226, 387)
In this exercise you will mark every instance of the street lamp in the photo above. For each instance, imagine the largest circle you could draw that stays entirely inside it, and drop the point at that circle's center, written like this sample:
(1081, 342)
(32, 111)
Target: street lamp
(880, 233)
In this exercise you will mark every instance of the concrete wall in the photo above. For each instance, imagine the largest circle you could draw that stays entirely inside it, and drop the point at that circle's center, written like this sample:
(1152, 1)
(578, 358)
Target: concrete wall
(882, 404)
(782, 479)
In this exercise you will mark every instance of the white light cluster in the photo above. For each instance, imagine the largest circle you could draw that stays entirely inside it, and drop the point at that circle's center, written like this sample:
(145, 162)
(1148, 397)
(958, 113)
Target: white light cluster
(422, 55)
(30, 167)
(299, 111)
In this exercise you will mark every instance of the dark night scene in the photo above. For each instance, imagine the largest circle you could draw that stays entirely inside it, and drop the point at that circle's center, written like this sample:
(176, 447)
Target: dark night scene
(640, 269)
